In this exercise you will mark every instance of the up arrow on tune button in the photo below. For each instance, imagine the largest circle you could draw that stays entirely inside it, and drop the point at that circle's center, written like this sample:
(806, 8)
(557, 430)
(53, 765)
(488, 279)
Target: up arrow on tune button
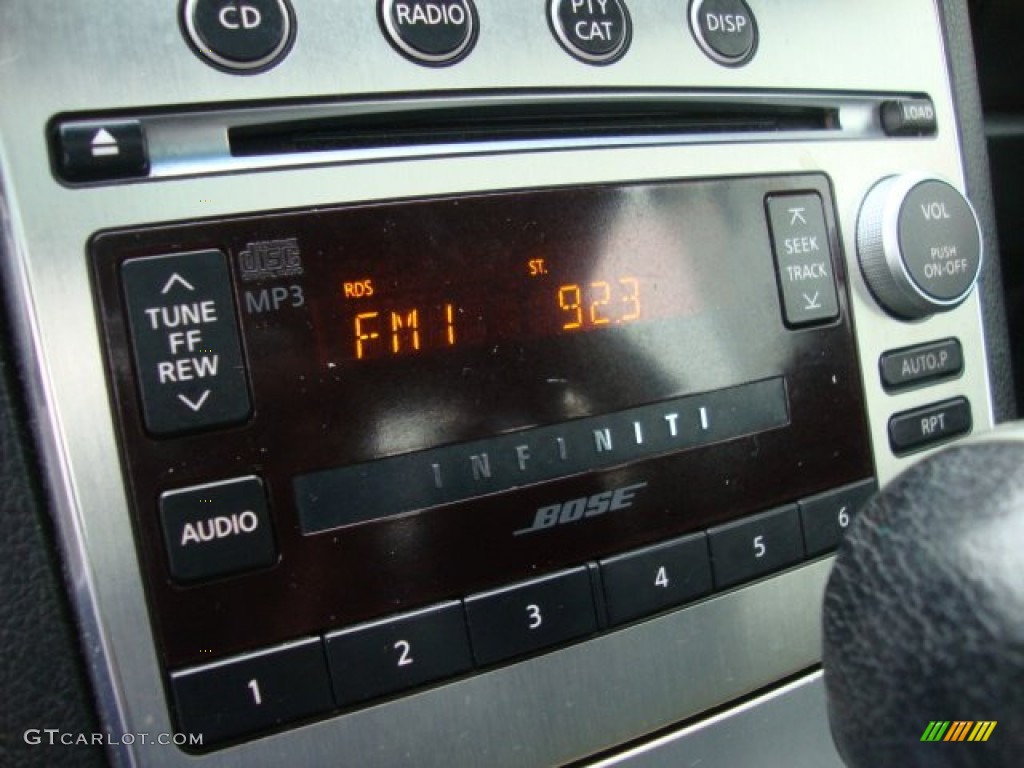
(176, 278)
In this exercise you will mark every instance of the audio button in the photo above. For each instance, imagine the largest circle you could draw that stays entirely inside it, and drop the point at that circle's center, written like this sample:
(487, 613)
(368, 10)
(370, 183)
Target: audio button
(217, 529)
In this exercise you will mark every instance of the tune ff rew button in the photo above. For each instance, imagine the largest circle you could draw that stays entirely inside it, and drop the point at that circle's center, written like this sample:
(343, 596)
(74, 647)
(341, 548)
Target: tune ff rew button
(217, 529)
(434, 33)
(240, 36)
(725, 30)
(593, 31)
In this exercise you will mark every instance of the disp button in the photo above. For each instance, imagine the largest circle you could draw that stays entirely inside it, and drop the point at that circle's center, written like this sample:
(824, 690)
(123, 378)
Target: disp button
(725, 30)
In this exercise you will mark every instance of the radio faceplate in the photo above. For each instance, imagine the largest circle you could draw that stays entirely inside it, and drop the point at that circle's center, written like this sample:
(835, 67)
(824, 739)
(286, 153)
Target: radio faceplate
(440, 397)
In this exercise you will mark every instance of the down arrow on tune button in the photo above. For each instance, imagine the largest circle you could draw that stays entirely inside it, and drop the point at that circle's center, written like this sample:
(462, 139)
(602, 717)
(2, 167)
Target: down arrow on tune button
(198, 404)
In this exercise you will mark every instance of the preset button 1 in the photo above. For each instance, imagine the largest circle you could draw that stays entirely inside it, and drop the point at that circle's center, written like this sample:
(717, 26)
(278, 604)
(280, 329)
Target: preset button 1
(185, 340)
(240, 696)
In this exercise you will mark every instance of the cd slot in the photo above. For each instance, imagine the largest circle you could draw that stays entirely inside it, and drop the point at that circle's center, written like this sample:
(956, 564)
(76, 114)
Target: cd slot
(529, 124)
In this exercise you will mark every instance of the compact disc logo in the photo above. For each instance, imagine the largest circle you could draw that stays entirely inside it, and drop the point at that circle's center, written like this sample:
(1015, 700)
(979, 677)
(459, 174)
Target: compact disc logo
(574, 510)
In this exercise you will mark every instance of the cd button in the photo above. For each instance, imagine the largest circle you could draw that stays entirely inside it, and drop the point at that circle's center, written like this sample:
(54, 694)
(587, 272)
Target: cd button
(527, 617)
(595, 31)
(398, 653)
(756, 546)
(652, 579)
(238, 697)
(434, 33)
(239, 35)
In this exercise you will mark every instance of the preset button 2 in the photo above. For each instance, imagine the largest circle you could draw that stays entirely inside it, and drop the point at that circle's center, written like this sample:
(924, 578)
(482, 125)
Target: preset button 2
(185, 340)
(398, 653)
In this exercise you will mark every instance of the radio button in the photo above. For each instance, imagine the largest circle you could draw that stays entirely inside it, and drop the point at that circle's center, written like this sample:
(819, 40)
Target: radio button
(724, 29)
(516, 620)
(803, 259)
(433, 33)
(234, 698)
(399, 653)
(217, 529)
(649, 580)
(594, 32)
(922, 364)
(756, 546)
(188, 355)
(925, 427)
(826, 517)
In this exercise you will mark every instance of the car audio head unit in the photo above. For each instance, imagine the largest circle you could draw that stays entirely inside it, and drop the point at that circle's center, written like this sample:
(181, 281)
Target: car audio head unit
(505, 401)
(382, 407)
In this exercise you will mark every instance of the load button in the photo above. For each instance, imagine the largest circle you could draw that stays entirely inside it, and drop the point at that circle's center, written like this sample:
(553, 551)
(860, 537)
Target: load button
(188, 356)
(217, 529)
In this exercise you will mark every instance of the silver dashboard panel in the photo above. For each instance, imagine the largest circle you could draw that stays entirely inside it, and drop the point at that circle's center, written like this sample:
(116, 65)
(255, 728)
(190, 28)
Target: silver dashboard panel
(129, 55)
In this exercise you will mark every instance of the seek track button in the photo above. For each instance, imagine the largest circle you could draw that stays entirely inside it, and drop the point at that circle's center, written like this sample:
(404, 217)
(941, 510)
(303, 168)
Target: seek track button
(188, 356)
(803, 259)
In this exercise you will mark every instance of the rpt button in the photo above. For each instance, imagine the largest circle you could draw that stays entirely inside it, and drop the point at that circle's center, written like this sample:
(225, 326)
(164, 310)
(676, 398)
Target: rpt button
(185, 340)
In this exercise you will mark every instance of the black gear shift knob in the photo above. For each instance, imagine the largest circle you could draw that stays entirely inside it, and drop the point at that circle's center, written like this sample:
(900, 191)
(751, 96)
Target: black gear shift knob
(924, 615)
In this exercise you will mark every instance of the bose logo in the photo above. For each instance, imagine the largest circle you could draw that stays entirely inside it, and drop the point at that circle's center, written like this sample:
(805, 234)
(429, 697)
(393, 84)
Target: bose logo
(577, 509)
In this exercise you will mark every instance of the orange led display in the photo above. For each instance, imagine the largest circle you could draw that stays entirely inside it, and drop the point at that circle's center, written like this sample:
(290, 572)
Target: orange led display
(601, 302)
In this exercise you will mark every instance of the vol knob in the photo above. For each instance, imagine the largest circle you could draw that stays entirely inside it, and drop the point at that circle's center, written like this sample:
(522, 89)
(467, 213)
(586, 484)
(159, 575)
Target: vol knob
(919, 245)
